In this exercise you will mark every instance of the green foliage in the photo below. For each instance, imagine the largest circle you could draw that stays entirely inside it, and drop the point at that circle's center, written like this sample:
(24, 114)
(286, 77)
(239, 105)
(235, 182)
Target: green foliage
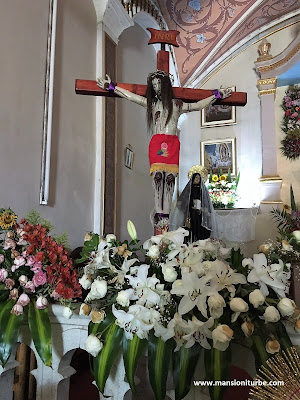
(33, 217)
(132, 352)
(63, 240)
(88, 247)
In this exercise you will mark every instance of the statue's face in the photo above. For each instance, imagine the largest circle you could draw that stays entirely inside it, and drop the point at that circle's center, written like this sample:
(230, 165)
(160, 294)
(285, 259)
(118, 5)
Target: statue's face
(196, 180)
(156, 84)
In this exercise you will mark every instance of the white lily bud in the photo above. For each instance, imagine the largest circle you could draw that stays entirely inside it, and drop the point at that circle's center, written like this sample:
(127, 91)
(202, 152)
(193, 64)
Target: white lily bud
(131, 230)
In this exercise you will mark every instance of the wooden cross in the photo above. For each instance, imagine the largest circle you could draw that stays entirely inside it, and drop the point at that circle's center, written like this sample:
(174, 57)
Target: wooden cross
(89, 87)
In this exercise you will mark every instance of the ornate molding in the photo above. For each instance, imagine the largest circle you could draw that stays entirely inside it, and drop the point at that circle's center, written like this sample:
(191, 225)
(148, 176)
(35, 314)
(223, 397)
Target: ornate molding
(266, 91)
(270, 178)
(288, 57)
(267, 81)
(271, 202)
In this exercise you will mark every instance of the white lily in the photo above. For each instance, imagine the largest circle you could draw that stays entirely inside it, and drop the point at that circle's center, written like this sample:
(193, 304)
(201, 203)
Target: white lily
(176, 237)
(268, 275)
(222, 276)
(144, 290)
(194, 291)
(200, 331)
(191, 258)
(127, 264)
(138, 320)
(176, 328)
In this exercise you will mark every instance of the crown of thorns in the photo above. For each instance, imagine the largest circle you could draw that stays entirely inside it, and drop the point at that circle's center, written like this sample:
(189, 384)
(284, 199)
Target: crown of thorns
(198, 169)
(161, 74)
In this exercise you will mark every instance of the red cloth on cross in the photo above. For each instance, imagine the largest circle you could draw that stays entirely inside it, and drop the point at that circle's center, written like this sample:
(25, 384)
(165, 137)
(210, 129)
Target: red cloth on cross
(164, 153)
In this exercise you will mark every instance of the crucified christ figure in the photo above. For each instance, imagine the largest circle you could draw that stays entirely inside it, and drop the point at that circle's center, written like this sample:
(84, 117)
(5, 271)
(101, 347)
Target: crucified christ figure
(163, 112)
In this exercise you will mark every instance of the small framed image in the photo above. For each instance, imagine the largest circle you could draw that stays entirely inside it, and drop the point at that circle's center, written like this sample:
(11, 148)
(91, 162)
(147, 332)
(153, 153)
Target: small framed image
(129, 157)
(218, 114)
(218, 155)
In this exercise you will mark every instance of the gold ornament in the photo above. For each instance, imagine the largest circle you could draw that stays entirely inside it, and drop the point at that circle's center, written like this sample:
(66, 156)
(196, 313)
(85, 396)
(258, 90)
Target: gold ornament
(284, 367)
(198, 169)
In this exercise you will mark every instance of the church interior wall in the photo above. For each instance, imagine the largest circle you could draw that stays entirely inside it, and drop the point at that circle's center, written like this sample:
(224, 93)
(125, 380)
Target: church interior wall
(240, 71)
(134, 189)
(23, 40)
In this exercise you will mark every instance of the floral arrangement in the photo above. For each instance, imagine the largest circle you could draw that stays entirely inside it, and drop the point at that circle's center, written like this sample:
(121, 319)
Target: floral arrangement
(290, 145)
(175, 300)
(222, 189)
(34, 268)
(288, 222)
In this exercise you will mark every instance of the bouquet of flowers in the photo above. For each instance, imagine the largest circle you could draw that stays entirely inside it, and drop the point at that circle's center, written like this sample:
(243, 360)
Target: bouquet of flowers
(177, 299)
(222, 189)
(290, 145)
(34, 268)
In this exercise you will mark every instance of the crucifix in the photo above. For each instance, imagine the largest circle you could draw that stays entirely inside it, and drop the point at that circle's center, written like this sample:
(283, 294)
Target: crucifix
(164, 105)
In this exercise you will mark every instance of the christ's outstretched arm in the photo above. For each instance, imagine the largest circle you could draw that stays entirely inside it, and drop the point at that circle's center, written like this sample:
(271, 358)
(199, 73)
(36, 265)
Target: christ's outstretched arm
(187, 107)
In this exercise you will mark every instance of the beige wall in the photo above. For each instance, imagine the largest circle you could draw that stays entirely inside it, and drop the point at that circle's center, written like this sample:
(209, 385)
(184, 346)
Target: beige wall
(134, 187)
(23, 35)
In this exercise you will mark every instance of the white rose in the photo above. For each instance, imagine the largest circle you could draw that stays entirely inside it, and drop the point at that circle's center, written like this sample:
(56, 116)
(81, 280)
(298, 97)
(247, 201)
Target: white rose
(85, 281)
(123, 299)
(296, 235)
(41, 303)
(238, 305)
(97, 316)
(85, 309)
(272, 346)
(170, 274)
(110, 238)
(216, 303)
(23, 300)
(67, 312)
(271, 314)
(221, 336)
(98, 289)
(93, 345)
(153, 251)
(17, 309)
(247, 328)
(286, 307)
(256, 298)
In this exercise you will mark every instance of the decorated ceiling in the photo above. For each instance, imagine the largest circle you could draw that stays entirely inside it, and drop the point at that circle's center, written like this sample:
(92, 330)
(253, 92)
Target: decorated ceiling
(209, 28)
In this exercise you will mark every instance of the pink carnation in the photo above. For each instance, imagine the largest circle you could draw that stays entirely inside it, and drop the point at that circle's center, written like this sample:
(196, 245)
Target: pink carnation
(9, 283)
(39, 279)
(37, 267)
(30, 287)
(294, 115)
(3, 274)
(41, 303)
(9, 244)
(19, 261)
(17, 309)
(30, 260)
(23, 300)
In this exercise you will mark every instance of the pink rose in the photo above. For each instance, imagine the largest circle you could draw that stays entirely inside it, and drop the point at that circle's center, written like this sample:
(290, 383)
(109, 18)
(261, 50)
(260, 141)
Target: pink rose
(9, 283)
(55, 295)
(23, 280)
(1, 258)
(9, 244)
(41, 303)
(23, 300)
(30, 287)
(3, 274)
(17, 309)
(39, 279)
(30, 261)
(294, 115)
(14, 294)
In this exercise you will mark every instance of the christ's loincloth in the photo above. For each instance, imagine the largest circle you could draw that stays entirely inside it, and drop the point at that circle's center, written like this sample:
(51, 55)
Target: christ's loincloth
(164, 153)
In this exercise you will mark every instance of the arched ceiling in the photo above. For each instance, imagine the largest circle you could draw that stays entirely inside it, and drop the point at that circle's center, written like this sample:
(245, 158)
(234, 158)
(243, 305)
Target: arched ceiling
(210, 28)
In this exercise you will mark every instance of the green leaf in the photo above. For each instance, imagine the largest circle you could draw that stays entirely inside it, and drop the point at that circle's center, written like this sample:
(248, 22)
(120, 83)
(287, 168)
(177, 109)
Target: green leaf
(259, 344)
(132, 352)
(112, 336)
(282, 336)
(159, 354)
(184, 364)
(217, 368)
(40, 329)
(9, 330)
(293, 203)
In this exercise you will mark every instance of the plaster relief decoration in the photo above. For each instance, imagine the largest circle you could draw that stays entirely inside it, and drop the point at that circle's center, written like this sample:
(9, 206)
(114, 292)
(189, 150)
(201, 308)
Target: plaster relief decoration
(218, 115)
(219, 155)
(204, 24)
(290, 145)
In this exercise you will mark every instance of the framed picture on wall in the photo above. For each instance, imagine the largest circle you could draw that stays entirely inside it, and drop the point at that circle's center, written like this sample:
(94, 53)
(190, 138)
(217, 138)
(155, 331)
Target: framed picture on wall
(128, 157)
(218, 114)
(218, 155)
